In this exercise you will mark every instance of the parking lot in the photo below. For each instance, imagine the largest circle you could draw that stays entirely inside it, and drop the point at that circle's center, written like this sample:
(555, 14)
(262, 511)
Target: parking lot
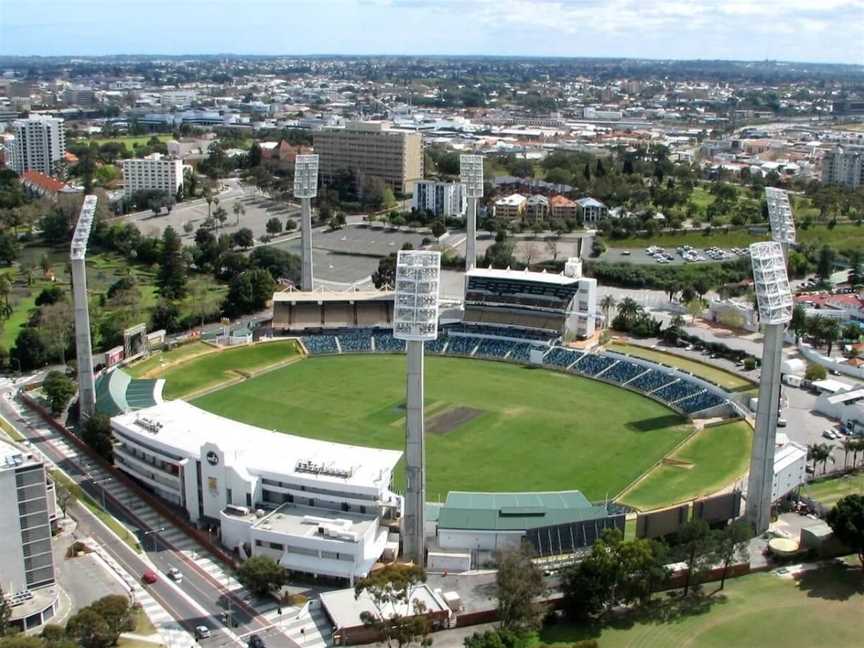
(673, 256)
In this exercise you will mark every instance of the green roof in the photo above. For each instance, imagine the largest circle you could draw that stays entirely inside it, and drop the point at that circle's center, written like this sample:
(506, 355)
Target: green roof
(515, 511)
(118, 393)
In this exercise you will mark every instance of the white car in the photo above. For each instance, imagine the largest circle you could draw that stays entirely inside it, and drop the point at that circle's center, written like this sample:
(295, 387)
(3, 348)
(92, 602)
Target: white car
(175, 574)
(202, 632)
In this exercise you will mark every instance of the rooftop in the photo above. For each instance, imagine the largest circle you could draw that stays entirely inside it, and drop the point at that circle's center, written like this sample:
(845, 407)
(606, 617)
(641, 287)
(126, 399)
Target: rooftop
(522, 275)
(184, 428)
(787, 455)
(345, 609)
(296, 296)
(295, 520)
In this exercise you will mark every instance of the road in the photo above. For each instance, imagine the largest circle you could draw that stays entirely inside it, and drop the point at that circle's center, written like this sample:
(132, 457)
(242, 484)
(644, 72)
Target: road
(199, 599)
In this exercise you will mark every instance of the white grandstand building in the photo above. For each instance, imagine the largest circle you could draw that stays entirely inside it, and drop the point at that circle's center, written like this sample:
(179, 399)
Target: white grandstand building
(315, 506)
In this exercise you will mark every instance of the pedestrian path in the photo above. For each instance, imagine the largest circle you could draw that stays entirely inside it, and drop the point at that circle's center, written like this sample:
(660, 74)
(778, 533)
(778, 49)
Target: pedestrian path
(309, 627)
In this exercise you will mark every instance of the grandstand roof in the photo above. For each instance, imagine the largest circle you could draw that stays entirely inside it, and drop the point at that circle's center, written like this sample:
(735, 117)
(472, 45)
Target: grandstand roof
(515, 511)
(184, 429)
(523, 275)
(297, 296)
(118, 393)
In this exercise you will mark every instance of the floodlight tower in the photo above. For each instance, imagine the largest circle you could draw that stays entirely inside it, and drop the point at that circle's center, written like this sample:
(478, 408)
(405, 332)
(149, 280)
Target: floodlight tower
(775, 310)
(306, 188)
(415, 320)
(780, 218)
(83, 346)
(471, 170)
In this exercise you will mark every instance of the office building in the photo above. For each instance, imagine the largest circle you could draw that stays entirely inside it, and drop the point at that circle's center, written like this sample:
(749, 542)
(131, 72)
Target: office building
(27, 506)
(844, 165)
(316, 507)
(153, 173)
(445, 199)
(39, 145)
(370, 149)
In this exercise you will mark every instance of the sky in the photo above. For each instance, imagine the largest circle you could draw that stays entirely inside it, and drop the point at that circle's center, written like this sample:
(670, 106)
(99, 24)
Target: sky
(829, 31)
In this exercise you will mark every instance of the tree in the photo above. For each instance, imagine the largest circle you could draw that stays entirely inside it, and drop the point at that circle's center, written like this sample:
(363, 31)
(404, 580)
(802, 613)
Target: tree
(29, 349)
(280, 263)
(815, 372)
(171, 277)
(856, 268)
(166, 316)
(5, 612)
(243, 238)
(730, 544)
(59, 389)
(798, 324)
(239, 210)
(385, 276)
(249, 292)
(825, 265)
(830, 332)
(50, 295)
(819, 453)
(274, 226)
(438, 228)
(90, 630)
(606, 305)
(846, 519)
(116, 612)
(221, 215)
(9, 248)
(498, 638)
(397, 616)
(97, 434)
(519, 583)
(262, 575)
(629, 308)
(694, 540)
(695, 308)
(55, 325)
(55, 227)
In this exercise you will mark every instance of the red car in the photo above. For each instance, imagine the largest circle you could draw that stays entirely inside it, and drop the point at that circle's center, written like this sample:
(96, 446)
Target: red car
(149, 577)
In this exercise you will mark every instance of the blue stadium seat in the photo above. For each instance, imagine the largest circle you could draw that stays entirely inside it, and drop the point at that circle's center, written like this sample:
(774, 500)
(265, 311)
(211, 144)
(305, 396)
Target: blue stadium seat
(561, 357)
(386, 343)
(359, 341)
(699, 402)
(320, 344)
(653, 379)
(459, 345)
(622, 371)
(678, 390)
(591, 364)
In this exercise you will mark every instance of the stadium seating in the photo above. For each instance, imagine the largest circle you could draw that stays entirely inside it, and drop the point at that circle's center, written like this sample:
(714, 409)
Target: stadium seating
(677, 390)
(437, 345)
(461, 345)
(521, 352)
(561, 357)
(700, 401)
(494, 348)
(502, 331)
(319, 344)
(386, 343)
(593, 364)
(355, 342)
(622, 371)
(651, 380)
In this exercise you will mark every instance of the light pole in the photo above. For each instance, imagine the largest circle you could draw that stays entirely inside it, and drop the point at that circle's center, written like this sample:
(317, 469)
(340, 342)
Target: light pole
(83, 345)
(471, 172)
(155, 534)
(415, 320)
(775, 309)
(306, 188)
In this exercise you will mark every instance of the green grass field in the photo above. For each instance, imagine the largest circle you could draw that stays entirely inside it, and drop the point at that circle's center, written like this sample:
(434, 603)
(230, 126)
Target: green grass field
(128, 140)
(152, 366)
(830, 491)
(725, 379)
(489, 426)
(823, 608)
(842, 237)
(710, 460)
(212, 369)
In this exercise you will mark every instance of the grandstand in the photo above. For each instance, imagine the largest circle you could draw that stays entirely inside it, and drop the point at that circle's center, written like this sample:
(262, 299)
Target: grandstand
(676, 389)
(118, 393)
(541, 304)
(321, 310)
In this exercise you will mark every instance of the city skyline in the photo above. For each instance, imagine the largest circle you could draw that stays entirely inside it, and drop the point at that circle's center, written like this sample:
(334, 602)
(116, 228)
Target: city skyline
(736, 30)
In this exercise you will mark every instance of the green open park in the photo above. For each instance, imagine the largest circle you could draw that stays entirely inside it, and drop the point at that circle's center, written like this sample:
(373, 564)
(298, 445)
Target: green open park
(822, 607)
(711, 459)
(829, 491)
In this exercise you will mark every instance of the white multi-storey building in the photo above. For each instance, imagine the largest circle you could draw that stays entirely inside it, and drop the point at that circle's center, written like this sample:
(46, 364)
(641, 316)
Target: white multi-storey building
(153, 173)
(39, 144)
(844, 165)
(440, 198)
(27, 506)
(315, 506)
(583, 317)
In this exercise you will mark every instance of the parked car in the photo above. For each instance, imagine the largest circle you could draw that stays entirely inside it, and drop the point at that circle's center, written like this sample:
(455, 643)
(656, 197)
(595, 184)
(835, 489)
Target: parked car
(202, 632)
(149, 577)
(175, 574)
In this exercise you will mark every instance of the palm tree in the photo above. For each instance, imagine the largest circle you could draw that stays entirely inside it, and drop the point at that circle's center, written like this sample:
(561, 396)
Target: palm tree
(629, 309)
(857, 446)
(848, 446)
(239, 210)
(820, 453)
(607, 304)
(831, 332)
(677, 321)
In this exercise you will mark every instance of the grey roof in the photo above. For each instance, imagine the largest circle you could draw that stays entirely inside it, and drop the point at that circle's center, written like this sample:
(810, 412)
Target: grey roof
(515, 511)
(589, 202)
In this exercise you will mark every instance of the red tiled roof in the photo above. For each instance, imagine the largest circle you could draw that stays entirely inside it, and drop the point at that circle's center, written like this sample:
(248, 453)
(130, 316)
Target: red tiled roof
(42, 181)
(561, 201)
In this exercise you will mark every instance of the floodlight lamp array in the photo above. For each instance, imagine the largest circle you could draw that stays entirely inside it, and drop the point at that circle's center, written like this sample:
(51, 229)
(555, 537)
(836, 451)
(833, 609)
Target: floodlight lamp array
(780, 216)
(471, 172)
(771, 282)
(306, 176)
(415, 314)
(82, 229)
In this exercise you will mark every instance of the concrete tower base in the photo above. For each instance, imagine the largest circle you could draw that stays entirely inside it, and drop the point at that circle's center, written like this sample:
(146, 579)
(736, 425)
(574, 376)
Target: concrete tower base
(414, 544)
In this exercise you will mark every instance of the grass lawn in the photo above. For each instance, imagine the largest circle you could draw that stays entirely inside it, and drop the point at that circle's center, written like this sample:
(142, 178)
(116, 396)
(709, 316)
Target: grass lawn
(128, 140)
(712, 459)
(490, 426)
(152, 365)
(830, 491)
(823, 608)
(725, 379)
(846, 236)
(214, 368)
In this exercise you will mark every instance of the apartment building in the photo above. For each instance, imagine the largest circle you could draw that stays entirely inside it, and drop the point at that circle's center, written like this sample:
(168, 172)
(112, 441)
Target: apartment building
(314, 506)
(510, 207)
(370, 149)
(39, 144)
(844, 165)
(27, 505)
(591, 210)
(536, 208)
(563, 208)
(155, 172)
(440, 198)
